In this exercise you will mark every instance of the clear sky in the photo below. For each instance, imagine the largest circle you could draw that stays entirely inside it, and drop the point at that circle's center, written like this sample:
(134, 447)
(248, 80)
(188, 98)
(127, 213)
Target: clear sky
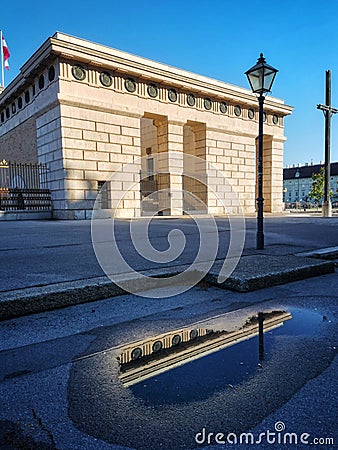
(217, 38)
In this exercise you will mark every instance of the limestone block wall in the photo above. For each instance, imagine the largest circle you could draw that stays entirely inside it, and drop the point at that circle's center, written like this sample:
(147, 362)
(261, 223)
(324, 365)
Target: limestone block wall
(272, 174)
(231, 160)
(170, 149)
(30, 123)
(49, 148)
(97, 147)
(195, 170)
(148, 135)
(20, 144)
(19, 111)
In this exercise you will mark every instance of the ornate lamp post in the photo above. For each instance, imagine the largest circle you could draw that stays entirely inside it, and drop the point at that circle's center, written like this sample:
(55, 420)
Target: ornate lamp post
(261, 77)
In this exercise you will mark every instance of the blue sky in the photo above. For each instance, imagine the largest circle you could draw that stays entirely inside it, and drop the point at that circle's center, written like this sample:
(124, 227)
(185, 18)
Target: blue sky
(217, 38)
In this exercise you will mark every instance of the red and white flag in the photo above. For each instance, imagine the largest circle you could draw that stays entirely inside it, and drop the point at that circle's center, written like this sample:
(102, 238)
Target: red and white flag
(5, 53)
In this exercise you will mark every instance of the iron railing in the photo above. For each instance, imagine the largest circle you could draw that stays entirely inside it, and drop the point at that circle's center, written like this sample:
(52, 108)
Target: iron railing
(25, 199)
(24, 186)
(23, 175)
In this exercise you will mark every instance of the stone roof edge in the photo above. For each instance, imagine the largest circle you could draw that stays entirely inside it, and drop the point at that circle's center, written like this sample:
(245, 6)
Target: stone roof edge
(40, 58)
(307, 171)
(137, 65)
(70, 47)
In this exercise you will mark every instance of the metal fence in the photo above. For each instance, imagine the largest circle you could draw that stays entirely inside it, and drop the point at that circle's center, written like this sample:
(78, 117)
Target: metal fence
(23, 186)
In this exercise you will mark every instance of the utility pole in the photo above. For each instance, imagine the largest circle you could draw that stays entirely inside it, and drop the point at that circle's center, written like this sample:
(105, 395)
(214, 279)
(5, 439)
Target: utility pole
(328, 111)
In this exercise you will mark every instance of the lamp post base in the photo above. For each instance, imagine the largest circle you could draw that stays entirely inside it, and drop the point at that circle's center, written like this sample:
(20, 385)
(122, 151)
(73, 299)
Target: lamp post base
(327, 209)
(260, 240)
(260, 218)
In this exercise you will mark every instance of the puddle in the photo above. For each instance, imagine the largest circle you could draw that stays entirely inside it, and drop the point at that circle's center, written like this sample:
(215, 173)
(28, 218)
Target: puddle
(162, 390)
(192, 364)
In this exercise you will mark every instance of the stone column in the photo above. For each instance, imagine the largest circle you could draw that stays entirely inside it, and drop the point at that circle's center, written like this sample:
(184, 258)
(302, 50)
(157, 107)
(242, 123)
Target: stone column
(273, 174)
(170, 165)
(195, 179)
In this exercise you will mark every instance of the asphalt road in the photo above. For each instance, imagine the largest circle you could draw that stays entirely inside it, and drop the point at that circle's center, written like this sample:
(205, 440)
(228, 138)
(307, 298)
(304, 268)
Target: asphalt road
(43, 252)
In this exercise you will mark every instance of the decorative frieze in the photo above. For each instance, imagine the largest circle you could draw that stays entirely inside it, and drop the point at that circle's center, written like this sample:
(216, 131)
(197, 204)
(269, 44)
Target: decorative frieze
(124, 83)
(25, 96)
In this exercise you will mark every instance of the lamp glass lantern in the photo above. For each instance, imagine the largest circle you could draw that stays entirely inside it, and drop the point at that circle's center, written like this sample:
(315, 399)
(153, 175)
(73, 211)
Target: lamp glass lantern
(261, 76)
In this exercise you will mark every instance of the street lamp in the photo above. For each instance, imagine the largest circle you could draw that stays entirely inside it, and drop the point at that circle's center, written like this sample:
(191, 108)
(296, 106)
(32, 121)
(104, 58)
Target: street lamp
(284, 197)
(261, 77)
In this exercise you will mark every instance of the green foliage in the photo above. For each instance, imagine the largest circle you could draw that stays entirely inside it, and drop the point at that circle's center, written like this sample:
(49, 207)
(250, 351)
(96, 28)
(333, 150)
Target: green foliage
(317, 191)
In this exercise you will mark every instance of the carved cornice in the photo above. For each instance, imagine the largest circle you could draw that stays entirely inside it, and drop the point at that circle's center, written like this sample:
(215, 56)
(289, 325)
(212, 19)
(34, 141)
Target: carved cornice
(101, 57)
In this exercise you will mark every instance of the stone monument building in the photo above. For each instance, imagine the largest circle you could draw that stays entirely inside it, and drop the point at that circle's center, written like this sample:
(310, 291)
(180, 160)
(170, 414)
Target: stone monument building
(87, 111)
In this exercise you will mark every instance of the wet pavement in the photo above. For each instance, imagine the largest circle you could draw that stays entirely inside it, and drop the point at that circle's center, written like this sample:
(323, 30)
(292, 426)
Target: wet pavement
(61, 383)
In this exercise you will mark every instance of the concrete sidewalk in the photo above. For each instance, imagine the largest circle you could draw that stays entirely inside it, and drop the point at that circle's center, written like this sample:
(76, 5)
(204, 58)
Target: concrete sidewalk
(56, 263)
(252, 273)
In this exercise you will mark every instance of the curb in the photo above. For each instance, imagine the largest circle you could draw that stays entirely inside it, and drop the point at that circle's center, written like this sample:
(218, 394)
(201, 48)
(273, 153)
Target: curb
(272, 271)
(252, 273)
(21, 302)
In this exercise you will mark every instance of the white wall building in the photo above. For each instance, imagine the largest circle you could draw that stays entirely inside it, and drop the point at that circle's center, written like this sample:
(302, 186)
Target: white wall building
(297, 182)
(87, 111)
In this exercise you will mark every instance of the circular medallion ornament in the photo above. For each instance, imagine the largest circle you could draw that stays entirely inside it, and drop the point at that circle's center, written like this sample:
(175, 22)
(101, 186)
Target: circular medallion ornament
(191, 100)
(78, 72)
(152, 90)
(251, 113)
(264, 116)
(223, 107)
(193, 334)
(275, 119)
(157, 346)
(176, 339)
(136, 353)
(237, 110)
(106, 79)
(172, 95)
(130, 85)
(207, 103)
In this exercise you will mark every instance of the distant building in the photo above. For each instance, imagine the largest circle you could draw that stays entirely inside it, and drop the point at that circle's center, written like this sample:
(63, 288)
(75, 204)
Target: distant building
(297, 182)
(86, 111)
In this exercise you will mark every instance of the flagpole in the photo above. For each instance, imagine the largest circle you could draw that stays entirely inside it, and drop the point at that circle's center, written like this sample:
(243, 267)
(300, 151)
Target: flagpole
(2, 62)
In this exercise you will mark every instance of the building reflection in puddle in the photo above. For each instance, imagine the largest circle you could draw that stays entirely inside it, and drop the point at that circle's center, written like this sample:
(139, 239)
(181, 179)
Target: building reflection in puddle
(209, 372)
(193, 362)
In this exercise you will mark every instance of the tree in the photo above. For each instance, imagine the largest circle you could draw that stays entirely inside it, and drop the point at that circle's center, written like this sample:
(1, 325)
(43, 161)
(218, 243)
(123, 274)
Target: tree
(317, 190)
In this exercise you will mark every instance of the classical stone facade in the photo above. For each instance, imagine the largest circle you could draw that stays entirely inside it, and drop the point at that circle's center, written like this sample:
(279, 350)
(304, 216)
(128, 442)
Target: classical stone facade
(87, 111)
